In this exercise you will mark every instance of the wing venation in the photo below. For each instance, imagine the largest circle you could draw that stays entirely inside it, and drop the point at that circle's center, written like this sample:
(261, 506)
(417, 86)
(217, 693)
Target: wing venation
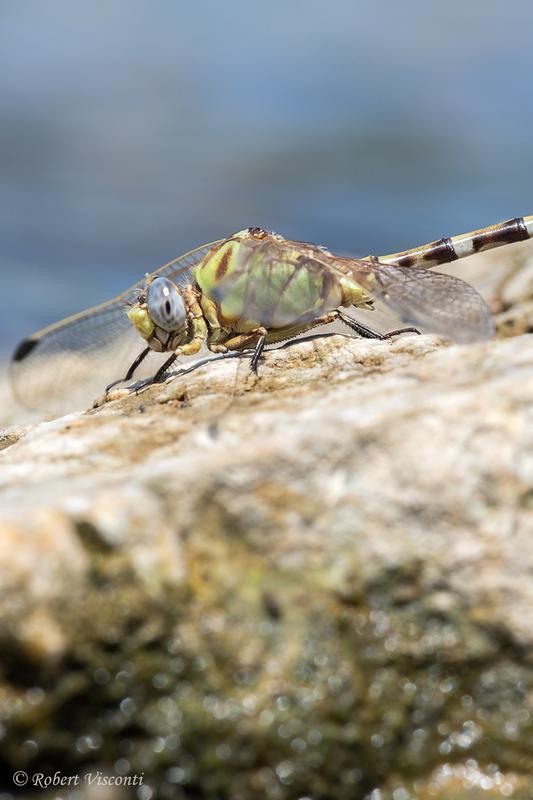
(67, 364)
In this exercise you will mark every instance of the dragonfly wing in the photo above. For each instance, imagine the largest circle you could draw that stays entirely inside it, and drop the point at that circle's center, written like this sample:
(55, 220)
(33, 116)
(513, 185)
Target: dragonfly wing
(66, 365)
(181, 270)
(433, 301)
(280, 283)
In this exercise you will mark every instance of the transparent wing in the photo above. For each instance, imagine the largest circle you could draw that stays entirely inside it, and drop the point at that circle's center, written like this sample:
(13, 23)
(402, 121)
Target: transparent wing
(181, 269)
(430, 300)
(283, 283)
(66, 365)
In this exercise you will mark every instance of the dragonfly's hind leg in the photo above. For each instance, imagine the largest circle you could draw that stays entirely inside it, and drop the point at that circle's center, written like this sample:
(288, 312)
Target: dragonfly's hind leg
(370, 333)
(129, 374)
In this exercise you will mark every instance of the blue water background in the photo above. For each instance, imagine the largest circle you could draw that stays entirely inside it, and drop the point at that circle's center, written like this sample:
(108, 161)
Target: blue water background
(131, 131)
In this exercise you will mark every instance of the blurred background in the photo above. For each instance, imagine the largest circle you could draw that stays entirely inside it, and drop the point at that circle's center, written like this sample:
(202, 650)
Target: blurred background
(132, 131)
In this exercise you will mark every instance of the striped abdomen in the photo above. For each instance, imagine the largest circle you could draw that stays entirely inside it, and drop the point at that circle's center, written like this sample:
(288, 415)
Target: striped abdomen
(443, 251)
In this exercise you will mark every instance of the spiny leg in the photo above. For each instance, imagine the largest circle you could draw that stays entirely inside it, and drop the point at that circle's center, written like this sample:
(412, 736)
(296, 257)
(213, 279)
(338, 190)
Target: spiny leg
(312, 337)
(260, 346)
(363, 330)
(370, 333)
(163, 368)
(129, 374)
(157, 378)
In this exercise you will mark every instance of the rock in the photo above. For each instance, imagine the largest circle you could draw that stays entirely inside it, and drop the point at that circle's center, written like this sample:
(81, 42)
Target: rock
(315, 583)
(311, 584)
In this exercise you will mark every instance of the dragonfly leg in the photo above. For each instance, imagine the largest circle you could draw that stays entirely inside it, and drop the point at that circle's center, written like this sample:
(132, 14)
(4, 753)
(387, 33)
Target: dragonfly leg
(129, 374)
(163, 368)
(157, 378)
(185, 350)
(311, 338)
(390, 334)
(370, 333)
(260, 346)
(240, 342)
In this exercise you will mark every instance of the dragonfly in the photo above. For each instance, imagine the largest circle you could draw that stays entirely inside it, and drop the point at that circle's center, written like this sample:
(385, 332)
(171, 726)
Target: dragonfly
(242, 293)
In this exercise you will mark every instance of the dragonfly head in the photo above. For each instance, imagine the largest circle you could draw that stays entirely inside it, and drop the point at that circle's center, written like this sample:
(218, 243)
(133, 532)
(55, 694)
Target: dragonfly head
(160, 315)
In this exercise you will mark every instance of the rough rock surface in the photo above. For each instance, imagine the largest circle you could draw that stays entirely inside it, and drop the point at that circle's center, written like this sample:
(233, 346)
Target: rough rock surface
(312, 584)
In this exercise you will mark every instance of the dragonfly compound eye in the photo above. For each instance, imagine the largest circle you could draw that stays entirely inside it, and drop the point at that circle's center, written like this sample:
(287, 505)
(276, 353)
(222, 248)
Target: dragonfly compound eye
(165, 305)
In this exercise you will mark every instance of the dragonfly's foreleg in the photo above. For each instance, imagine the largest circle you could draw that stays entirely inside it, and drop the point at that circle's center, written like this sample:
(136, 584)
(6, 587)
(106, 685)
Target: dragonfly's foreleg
(129, 374)
(198, 333)
(163, 368)
(157, 378)
(210, 312)
(198, 327)
(370, 333)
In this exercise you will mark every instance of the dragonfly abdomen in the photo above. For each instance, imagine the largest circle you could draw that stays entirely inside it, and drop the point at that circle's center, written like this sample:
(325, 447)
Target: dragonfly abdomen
(444, 251)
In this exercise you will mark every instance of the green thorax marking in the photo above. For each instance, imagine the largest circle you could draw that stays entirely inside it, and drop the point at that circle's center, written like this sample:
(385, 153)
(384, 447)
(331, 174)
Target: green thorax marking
(271, 283)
